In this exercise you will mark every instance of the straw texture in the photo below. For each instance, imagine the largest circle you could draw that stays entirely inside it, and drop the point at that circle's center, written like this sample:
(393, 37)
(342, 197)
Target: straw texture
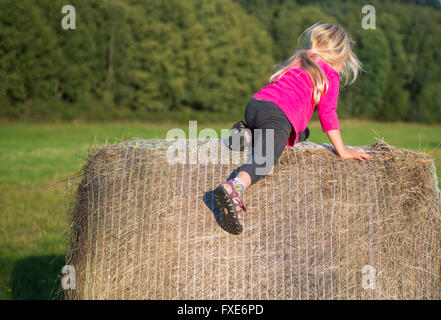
(146, 229)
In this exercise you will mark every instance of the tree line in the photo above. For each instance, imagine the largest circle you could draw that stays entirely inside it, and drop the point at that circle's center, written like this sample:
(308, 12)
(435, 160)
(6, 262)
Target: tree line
(132, 59)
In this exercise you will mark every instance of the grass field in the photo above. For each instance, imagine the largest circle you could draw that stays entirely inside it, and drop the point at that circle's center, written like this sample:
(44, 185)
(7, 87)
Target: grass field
(37, 161)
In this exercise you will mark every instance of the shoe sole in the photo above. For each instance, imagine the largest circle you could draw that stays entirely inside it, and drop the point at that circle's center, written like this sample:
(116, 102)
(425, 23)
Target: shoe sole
(229, 221)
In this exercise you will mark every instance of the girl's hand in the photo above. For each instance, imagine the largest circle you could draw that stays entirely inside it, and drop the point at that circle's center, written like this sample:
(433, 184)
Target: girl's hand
(335, 137)
(355, 154)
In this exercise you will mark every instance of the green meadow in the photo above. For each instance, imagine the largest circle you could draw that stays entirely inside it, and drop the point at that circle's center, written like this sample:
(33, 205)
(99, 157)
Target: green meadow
(38, 163)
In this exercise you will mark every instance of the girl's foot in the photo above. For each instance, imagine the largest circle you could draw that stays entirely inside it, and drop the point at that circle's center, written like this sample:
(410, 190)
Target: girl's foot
(241, 132)
(231, 207)
(304, 135)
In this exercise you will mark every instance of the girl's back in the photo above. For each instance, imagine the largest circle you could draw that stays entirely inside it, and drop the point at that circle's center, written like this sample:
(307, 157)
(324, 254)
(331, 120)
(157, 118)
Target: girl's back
(293, 92)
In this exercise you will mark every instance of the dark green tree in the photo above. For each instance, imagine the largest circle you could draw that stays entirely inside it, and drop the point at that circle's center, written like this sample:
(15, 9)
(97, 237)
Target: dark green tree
(395, 103)
(205, 55)
(131, 58)
(290, 24)
(430, 103)
(28, 56)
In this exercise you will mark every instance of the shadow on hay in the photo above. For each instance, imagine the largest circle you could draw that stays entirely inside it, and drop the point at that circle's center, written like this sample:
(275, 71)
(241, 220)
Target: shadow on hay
(37, 277)
(211, 204)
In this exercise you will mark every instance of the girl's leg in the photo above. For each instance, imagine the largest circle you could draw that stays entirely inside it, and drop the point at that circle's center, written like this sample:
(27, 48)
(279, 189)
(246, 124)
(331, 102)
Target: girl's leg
(245, 178)
(269, 119)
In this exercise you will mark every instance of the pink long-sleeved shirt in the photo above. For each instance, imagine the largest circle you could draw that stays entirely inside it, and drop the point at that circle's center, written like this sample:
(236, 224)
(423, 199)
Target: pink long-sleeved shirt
(293, 94)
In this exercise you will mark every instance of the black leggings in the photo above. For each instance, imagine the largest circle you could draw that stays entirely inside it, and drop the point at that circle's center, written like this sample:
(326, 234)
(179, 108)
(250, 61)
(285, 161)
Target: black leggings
(263, 115)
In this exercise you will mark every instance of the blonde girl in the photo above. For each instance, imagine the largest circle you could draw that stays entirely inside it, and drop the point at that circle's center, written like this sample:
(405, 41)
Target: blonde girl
(306, 82)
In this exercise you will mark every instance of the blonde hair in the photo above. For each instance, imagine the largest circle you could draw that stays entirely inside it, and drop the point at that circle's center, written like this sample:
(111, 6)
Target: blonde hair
(329, 43)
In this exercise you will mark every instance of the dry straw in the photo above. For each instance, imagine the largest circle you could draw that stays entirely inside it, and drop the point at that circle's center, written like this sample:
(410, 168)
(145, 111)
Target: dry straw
(145, 229)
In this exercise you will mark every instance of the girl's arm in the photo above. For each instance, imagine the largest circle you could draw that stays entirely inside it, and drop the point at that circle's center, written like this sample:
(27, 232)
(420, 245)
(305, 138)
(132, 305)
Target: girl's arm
(335, 137)
(327, 112)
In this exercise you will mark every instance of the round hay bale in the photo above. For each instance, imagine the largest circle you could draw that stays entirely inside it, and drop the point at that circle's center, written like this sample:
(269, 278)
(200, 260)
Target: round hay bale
(318, 227)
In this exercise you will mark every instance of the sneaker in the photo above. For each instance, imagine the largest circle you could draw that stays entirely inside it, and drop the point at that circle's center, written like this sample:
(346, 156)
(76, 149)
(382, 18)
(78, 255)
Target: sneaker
(241, 130)
(231, 207)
